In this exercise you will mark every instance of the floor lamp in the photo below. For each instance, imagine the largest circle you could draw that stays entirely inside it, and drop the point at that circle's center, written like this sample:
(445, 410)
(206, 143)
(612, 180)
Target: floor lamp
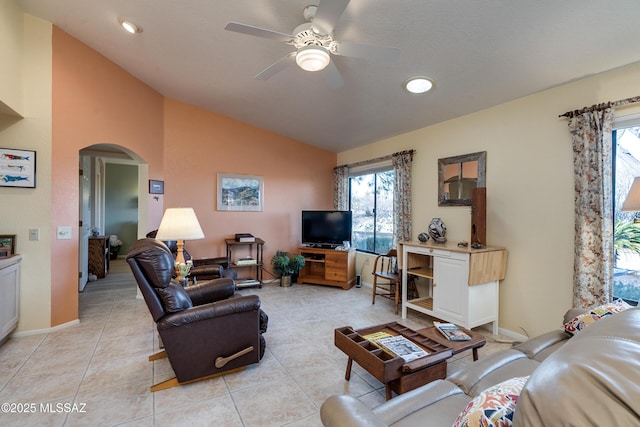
(179, 224)
(632, 202)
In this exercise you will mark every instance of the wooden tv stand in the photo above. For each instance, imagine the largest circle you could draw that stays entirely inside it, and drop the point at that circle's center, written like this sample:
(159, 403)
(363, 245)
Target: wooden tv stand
(328, 267)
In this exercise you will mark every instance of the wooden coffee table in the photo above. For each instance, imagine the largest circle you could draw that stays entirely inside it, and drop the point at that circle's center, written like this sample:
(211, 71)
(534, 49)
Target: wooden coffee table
(396, 374)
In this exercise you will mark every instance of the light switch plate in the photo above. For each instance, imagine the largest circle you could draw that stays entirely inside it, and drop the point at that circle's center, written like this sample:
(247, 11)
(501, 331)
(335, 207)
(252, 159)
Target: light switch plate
(64, 232)
(34, 234)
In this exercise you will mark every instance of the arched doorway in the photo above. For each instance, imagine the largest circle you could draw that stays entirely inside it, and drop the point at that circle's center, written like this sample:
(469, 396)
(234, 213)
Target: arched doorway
(99, 216)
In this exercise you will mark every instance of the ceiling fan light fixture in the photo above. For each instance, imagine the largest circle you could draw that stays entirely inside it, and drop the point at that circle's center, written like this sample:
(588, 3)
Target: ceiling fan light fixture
(418, 84)
(129, 26)
(312, 58)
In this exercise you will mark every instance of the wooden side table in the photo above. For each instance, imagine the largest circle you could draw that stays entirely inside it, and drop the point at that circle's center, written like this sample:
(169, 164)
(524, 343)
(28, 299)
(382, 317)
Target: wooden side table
(255, 266)
(99, 253)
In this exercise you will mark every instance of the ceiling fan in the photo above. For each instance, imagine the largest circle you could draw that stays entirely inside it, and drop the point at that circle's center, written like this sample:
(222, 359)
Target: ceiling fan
(315, 44)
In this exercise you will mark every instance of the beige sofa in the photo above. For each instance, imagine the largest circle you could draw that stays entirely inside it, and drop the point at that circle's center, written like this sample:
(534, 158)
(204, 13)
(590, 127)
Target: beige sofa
(589, 379)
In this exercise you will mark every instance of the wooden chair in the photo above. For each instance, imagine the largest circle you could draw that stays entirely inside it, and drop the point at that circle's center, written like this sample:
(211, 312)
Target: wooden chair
(386, 278)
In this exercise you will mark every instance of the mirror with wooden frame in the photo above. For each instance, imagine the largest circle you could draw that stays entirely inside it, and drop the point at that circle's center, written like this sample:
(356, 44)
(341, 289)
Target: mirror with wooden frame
(458, 176)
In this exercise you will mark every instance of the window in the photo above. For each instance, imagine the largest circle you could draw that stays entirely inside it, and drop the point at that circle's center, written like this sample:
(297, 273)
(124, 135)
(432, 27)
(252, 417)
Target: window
(626, 239)
(371, 203)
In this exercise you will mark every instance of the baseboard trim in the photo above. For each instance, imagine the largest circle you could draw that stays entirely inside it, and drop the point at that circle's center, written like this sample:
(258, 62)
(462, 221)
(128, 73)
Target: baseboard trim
(46, 330)
(516, 336)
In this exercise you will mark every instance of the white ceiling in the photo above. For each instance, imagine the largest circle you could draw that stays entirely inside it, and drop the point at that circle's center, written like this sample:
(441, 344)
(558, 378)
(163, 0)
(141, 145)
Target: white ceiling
(480, 53)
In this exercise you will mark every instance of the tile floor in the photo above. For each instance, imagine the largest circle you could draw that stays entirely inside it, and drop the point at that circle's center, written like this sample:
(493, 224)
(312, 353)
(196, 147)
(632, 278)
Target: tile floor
(97, 373)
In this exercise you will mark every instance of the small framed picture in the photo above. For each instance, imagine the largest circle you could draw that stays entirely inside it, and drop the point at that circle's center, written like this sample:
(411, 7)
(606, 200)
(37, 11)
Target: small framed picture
(7, 245)
(17, 168)
(240, 192)
(156, 187)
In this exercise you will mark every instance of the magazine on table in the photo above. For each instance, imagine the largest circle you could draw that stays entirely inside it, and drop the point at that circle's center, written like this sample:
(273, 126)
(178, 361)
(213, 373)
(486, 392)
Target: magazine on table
(451, 332)
(397, 345)
(375, 336)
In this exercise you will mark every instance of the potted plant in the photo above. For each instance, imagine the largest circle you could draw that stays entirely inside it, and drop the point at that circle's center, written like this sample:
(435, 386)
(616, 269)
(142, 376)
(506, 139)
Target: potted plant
(287, 265)
(114, 246)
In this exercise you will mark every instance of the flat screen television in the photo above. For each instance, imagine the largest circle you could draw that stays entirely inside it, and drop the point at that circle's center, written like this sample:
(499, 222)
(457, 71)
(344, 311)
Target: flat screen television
(326, 229)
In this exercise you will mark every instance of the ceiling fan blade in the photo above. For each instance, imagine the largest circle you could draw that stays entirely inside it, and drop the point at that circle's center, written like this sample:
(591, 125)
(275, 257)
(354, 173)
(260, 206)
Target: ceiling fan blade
(327, 15)
(333, 76)
(377, 53)
(258, 32)
(276, 67)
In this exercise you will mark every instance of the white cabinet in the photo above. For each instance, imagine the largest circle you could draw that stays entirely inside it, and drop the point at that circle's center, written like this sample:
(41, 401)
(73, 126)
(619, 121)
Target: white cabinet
(9, 295)
(462, 283)
(450, 289)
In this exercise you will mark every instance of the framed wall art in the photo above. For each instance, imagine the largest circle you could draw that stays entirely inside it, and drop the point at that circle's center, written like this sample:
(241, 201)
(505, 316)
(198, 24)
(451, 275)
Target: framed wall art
(7, 245)
(156, 187)
(458, 176)
(17, 168)
(240, 192)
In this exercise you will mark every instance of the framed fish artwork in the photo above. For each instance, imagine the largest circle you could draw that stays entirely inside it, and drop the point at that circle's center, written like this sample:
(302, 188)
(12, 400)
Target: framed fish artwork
(17, 168)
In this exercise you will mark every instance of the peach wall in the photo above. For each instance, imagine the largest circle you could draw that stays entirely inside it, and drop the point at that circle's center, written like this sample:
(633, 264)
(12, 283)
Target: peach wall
(94, 101)
(199, 144)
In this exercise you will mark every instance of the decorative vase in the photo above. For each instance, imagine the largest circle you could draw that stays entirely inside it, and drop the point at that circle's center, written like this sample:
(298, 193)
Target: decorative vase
(423, 237)
(437, 230)
(285, 281)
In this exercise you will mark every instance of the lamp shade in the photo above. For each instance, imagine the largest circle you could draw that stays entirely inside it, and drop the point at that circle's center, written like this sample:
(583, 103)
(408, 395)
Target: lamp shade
(179, 224)
(312, 58)
(632, 202)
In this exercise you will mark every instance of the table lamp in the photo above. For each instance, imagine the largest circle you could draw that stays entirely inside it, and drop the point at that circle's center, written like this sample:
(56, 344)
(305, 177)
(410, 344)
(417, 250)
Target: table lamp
(632, 202)
(179, 224)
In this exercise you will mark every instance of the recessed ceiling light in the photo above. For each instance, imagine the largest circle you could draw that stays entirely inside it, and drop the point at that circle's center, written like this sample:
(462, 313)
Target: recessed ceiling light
(130, 26)
(418, 84)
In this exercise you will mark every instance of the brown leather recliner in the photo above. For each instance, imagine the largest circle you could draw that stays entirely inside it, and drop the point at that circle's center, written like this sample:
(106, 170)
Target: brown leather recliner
(206, 328)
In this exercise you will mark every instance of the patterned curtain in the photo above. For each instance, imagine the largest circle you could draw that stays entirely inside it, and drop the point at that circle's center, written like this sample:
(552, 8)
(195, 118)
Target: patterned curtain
(591, 135)
(402, 196)
(341, 188)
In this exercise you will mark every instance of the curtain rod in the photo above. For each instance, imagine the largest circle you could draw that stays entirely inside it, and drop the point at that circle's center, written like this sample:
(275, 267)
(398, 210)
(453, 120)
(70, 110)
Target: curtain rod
(597, 107)
(377, 159)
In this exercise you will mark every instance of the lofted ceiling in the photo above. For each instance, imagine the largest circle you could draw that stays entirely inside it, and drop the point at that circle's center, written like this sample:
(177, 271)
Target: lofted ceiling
(479, 53)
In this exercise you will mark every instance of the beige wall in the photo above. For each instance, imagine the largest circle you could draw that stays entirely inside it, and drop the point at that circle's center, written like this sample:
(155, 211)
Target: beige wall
(12, 46)
(24, 208)
(530, 207)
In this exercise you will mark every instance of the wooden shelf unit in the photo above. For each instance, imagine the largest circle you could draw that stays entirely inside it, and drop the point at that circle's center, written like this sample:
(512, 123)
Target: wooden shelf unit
(246, 249)
(328, 267)
(462, 283)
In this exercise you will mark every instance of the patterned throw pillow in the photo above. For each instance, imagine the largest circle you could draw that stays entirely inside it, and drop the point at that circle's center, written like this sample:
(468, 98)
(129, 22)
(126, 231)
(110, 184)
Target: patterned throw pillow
(580, 322)
(494, 407)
